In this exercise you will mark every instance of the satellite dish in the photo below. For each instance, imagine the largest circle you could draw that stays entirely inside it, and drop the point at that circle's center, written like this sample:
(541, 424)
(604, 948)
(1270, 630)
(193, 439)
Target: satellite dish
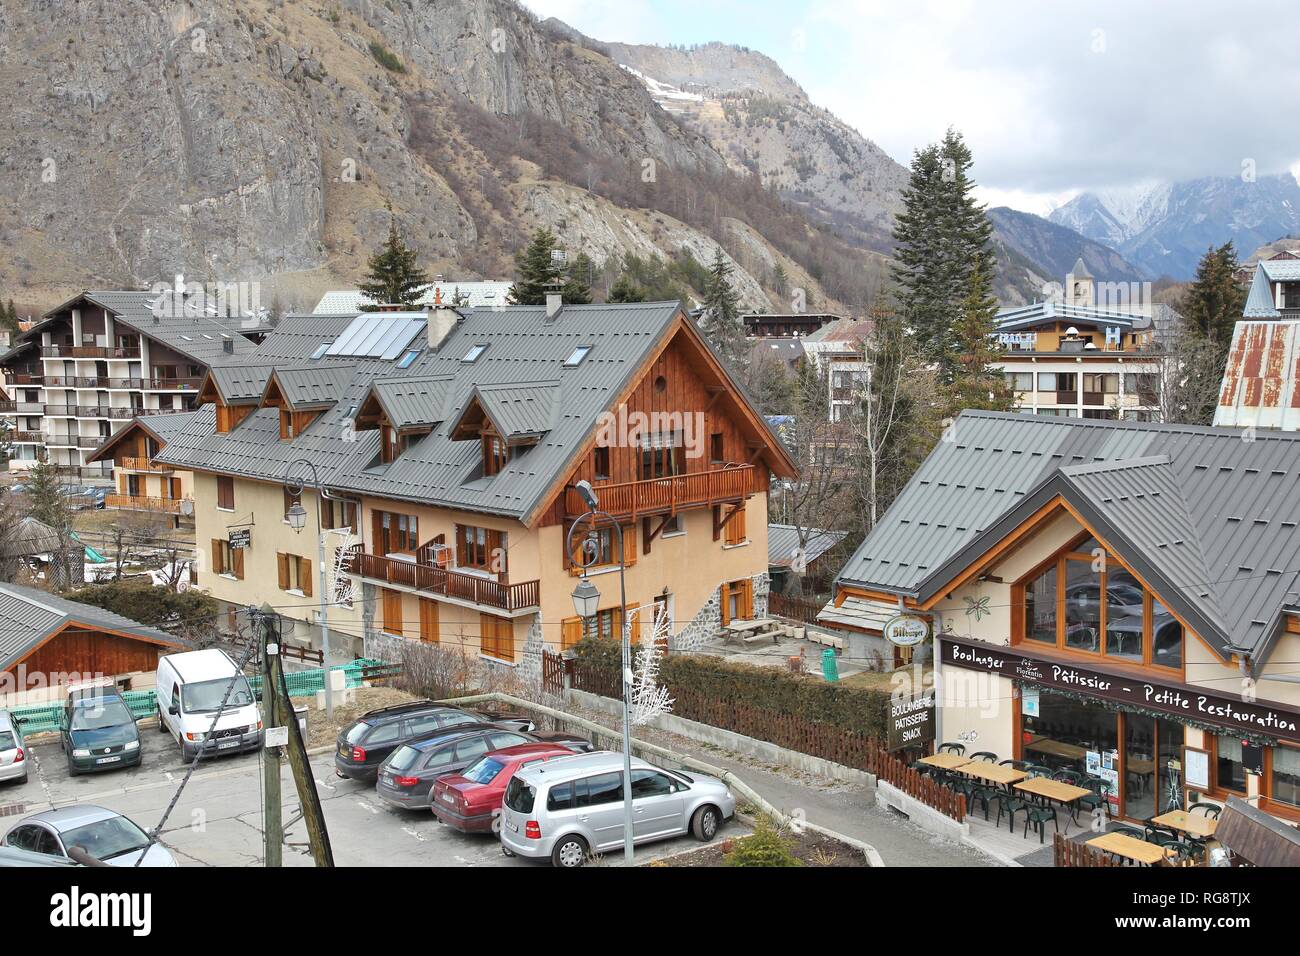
(187, 507)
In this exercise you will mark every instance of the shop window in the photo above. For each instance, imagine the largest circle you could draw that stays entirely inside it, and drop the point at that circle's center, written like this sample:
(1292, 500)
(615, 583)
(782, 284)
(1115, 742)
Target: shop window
(1085, 600)
(1284, 778)
(1229, 765)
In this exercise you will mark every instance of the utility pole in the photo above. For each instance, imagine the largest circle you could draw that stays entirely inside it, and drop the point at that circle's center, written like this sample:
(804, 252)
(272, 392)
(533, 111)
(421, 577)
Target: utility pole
(272, 823)
(282, 715)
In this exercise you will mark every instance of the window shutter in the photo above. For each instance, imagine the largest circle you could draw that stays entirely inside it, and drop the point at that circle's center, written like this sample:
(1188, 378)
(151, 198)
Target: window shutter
(216, 555)
(121, 482)
(570, 632)
(629, 545)
(304, 576)
(237, 559)
(572, 559)
(429, 621)
(725, 595)
(282, 562)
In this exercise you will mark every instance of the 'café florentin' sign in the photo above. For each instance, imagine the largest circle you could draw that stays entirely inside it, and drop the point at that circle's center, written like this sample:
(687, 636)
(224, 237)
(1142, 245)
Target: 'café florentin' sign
(1179, 700)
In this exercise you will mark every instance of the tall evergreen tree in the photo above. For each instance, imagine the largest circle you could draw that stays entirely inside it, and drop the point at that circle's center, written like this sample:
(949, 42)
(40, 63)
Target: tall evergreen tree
(394, 277)
(780, 280)
(1215, 300)
(625, 289)
(577, 285)
(536, 269)
(977, 381)
(44, 493)
(943, 249)
(721, 322)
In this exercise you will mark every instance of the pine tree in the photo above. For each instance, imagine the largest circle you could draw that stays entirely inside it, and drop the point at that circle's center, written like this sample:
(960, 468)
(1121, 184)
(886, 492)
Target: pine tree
(977, 382)
(577, 286)
(394, 278)
(44, 494)
(625, 290)
(943, 248)
(780, 281)
(535, 270)
(720, 321)
(1215, 300)
(9, 316)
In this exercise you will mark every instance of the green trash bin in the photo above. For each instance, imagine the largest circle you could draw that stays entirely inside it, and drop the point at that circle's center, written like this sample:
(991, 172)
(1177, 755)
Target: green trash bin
(830, 670)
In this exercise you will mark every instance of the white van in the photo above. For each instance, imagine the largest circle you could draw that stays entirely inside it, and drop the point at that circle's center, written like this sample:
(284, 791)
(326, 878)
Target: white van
(190, 690)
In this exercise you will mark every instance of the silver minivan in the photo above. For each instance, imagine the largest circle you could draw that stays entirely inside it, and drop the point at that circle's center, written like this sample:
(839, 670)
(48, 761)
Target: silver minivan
(570, 808)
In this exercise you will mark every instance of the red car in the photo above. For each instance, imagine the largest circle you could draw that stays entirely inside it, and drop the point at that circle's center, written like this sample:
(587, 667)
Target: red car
(471, 801)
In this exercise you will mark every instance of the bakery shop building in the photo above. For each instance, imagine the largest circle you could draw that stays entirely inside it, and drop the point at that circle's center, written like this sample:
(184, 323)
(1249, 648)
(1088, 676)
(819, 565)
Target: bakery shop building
(1114, 598)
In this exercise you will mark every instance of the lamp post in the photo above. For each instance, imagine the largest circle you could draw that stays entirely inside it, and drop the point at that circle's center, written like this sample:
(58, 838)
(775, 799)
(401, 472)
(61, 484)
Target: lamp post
(586, 601)
(297, 518)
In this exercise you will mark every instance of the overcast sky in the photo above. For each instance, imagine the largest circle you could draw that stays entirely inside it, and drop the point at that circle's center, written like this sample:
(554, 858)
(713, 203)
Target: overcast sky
(1054, 98)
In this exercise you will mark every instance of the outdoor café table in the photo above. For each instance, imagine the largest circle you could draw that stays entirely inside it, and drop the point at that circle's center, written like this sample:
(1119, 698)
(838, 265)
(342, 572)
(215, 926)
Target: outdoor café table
(1193, 824)
(945, 761)
(1063, 793)
(1130, 848)
(992, 772)
(1056, 748)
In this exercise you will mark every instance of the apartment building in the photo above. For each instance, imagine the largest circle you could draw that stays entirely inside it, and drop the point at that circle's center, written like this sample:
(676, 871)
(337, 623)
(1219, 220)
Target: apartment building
(438, 453)
(102, 358)
(1081, 358)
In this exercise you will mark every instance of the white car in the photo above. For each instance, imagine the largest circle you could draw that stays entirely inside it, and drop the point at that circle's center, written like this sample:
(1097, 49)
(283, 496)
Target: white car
(105, 834)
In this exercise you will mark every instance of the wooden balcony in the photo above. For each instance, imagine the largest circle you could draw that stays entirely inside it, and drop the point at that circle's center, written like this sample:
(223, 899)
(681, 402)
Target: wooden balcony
(470, 588)
(171, 506)
(666, 495)
(130, 463)
(90, 352)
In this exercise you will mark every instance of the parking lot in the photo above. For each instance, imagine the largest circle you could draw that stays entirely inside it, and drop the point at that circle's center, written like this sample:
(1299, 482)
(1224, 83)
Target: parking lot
(217, 821)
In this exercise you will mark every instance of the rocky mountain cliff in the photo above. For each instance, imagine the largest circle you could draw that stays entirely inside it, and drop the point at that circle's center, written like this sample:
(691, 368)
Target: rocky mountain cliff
(1165, 228)
(1048, 251)
(242, 139)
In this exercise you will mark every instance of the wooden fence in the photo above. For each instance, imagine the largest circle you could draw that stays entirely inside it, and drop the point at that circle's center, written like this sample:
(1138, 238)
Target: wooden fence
(1067, 852)
(799, 609)
(826, 741)
(553, 669)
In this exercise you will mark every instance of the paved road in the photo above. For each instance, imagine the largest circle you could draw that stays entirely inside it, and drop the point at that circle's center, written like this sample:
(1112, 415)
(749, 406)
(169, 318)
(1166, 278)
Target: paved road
(218, 820)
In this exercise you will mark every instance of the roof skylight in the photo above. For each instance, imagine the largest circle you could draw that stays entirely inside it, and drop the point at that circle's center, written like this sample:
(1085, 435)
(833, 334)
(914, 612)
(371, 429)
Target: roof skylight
(474, 352)
(320, 350)
(408, 358)
(576, 356)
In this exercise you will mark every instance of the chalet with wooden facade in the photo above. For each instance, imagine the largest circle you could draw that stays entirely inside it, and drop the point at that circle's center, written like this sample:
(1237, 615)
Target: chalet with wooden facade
(141, 483)
(47, 642)
(1119, 600)
(448, 444)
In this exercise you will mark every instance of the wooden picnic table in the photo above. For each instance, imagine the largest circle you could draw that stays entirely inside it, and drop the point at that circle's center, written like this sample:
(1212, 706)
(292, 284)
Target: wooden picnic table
(1121, 844)
(945, 761)
(1194, 824)
(992, 772)
(742, 626)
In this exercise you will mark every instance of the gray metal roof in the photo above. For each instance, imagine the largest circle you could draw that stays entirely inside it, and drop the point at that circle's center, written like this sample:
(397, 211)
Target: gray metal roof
(1281, 270)
(1208, 514)
(292, 343)
(199, 337)
(29, 616)
(1036, 313)
(520, 409)
(317, 386)
(522, 347)
(413, 400)
(1260, 303)
(783, 542)
(476, 293)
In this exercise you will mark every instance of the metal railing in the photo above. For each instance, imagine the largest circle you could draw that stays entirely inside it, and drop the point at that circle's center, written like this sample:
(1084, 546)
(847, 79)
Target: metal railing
(90, 351)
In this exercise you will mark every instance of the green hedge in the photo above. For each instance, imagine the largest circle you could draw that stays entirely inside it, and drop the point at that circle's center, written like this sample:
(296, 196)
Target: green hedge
(702, 678)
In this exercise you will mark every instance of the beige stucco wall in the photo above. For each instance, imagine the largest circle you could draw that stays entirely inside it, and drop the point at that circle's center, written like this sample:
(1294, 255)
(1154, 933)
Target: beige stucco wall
(262, 504)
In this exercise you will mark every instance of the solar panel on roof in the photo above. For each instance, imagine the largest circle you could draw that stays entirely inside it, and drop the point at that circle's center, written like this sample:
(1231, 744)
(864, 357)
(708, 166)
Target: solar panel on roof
(378, 335)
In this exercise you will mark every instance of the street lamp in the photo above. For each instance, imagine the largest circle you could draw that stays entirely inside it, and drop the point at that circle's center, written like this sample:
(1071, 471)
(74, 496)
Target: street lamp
(586, 601)
(297, 518)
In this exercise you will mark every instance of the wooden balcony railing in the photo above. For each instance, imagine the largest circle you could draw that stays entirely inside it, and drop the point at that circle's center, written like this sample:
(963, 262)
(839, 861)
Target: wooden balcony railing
(455, 584)
(131, 463)
(170, 506)
(90, 351)
(659, 495)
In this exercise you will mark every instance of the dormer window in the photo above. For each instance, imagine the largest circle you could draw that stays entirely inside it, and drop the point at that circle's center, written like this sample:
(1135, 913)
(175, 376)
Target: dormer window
(293, 424)
(495, 453)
